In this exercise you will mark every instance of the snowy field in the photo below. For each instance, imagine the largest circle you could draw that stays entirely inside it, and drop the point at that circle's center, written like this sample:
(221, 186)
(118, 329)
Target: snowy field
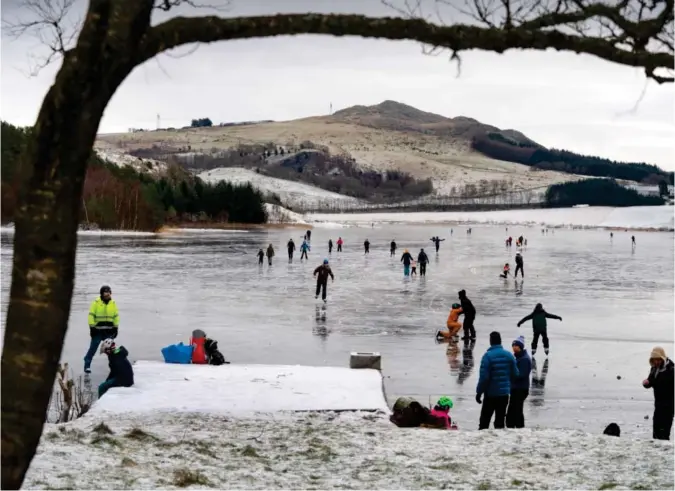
(637, 217)
(334, 451)
(243, 390)
(291, 193)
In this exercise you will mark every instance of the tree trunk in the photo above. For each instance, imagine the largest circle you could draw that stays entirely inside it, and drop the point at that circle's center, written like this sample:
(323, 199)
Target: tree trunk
(47, 219)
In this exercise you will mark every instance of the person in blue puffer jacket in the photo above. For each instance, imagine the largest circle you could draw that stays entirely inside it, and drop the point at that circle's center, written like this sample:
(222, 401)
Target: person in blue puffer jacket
(497, 370)
(520, 387)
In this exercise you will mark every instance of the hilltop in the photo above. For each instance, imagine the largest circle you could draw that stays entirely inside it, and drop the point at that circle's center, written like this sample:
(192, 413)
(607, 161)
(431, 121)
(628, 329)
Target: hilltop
(350, 151)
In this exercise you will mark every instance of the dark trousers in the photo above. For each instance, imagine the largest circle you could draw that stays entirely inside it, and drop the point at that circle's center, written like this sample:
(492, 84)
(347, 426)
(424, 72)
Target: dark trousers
(269, 260)
(493, 405)
(304, 254)
(96, 340)
(339, 247)
(290, 254)
(519, 267)
(260, 260)
(330, 249)
(514, 414)
(321, 287)
(367, 250)
(469, 330)
(392, 252)
(423, 269)
(535, 339)
(662, 422)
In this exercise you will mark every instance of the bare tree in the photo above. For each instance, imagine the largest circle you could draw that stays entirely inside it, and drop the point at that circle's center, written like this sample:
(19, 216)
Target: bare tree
(116, 36)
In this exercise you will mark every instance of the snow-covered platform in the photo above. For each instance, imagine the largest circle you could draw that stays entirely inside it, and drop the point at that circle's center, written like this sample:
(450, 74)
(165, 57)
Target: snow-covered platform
(244, 389)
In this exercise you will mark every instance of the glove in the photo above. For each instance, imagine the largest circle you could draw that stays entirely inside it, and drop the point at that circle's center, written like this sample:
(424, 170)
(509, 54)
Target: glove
(478, 399)
(113, 332)
(519, 324)
(561, 319)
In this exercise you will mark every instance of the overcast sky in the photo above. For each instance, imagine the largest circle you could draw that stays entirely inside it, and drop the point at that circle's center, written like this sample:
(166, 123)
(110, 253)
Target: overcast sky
(561, 100)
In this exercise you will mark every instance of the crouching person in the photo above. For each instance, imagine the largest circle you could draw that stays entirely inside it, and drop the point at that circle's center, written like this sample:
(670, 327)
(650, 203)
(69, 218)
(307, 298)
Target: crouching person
(121, 372)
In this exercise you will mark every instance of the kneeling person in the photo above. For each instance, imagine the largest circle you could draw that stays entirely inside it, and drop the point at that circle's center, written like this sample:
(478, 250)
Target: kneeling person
(121, 371)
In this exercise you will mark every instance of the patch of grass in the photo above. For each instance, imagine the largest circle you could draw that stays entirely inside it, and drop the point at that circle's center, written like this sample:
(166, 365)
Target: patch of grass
(183, 478)
(642, 486)
(52, 436)
(485, 485)
(73, 435)
(102, 429)
(249, 451)
(127, 462)
(140, 435)
(101, 439)
(516, 482)
(607, 485)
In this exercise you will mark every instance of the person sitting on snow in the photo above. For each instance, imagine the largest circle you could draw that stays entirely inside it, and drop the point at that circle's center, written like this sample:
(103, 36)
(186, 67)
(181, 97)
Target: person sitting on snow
(441, 411)
(121, 371)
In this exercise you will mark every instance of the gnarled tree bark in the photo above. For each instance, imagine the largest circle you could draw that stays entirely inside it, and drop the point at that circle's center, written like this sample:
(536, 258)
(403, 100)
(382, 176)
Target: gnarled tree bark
(116, 37)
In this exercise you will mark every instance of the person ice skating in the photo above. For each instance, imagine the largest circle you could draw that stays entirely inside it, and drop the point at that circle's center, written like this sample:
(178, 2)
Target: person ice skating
(661, 380)
(304, 247)
(441, 411)
(291, 248)
(469, 312)
(538, 318)
(322, 273)
(270, 254)
(611, 236)
(309, 235)
(261, 256)
(413, 268)
(366, 246)
(121, 371)
(104, 323)
(437, 242)
(497, 369)
(519, 265)
(423, 260)
(506, 271)
(330, 246)
(632, 238)
(392, 248)
(509, 241)
(452, 323)
(451, 232)
(339, 244)
(520, 386)
(406, 259)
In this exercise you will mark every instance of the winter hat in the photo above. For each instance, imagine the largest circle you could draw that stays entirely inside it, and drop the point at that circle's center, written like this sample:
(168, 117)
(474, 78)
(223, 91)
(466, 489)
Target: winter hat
(105, 289)
(519, 341)
(495, 338)
(658, 352)
(445, 401)
(325, 261)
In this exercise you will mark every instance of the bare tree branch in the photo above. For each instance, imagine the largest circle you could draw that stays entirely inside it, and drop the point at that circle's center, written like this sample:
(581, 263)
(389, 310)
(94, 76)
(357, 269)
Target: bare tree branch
(183, 30)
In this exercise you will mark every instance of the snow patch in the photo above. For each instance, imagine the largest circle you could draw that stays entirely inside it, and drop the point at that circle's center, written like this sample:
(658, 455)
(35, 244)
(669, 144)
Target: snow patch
(279, 214)
(638, 217)
(122, 159)
(291, 193)
(243, 390)
(329, 451)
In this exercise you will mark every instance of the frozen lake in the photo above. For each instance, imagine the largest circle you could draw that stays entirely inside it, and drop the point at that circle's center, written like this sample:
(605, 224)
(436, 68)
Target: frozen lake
(616, 304)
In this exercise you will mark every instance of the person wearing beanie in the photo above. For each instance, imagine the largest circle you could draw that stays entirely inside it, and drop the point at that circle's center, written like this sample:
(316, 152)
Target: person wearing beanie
(322, 273)
(497, 370)
(661, 380)
(538, 318)
(104, 322)
(520, 387)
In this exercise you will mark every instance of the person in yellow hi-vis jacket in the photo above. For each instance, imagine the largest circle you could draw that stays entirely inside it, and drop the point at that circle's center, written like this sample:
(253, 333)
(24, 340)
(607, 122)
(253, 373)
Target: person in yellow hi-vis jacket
(104, 321)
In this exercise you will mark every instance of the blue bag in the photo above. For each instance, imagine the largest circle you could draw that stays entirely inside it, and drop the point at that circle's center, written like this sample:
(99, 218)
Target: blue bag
(177, 353)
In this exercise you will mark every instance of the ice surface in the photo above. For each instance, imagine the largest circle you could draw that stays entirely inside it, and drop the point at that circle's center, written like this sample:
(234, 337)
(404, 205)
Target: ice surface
(328, 451)
(638, 217)
(243, 389)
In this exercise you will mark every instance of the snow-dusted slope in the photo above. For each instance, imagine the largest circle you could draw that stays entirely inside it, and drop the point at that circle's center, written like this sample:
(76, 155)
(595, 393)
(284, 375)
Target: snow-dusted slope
(636, 217)
(291, 193)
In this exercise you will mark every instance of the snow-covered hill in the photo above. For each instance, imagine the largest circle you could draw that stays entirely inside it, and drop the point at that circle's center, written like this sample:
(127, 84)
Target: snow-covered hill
(291, 193)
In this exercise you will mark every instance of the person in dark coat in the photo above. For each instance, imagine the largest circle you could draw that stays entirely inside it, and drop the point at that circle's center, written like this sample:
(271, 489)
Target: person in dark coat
(538, 318)
(469, 312)
(121, 371)
(406, 259)
(423, 260)
(520, 387)
(497, 369)
(261, 256)
(437, 242)
(519, 266)
(270, 254)
(392, 248)
(330, 246)
(366, 246)
(661, 380)
(322, 273)
(291, 249)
